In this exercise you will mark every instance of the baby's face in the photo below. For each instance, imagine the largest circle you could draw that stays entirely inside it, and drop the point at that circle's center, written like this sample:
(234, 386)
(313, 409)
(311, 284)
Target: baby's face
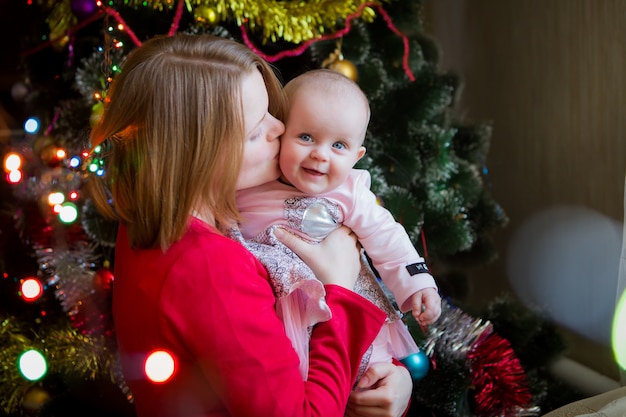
(322, 140)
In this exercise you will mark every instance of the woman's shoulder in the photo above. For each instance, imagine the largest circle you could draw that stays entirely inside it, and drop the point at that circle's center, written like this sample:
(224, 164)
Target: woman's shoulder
(206, 262)
(208, 240)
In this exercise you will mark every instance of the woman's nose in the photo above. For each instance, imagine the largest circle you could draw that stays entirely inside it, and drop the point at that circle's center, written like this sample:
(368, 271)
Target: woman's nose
(276, 129)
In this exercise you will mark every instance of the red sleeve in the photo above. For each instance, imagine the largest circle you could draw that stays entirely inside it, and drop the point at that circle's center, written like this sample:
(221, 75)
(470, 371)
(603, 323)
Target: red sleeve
(398, 363)
(223, 314)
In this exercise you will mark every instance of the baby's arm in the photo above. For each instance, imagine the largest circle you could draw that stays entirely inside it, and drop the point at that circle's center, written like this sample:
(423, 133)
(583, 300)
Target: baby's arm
(386, 242)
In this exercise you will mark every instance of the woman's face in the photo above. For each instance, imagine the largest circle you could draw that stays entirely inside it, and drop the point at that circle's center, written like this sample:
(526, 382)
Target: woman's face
(261, 149)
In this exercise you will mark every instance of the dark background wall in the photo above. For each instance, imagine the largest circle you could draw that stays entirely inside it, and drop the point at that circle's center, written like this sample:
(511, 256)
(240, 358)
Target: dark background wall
(551, 76)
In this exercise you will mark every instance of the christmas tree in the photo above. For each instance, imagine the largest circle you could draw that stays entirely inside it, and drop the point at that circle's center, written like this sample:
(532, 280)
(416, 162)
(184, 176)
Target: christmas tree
(428, 169)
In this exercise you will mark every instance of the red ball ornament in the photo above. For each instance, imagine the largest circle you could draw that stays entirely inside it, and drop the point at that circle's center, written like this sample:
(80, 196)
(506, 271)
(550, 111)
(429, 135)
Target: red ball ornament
(50, 156)
(103, 279)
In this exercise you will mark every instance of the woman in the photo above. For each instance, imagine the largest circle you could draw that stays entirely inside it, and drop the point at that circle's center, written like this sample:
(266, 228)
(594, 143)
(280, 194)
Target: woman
(189, 121)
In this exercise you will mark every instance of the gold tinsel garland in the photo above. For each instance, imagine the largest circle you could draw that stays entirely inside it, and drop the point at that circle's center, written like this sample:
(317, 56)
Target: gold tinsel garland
(294, 21)
(67, 352)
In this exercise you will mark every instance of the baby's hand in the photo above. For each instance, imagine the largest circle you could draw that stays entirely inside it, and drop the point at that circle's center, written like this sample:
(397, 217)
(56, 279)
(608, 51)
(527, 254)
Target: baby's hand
(426, 306)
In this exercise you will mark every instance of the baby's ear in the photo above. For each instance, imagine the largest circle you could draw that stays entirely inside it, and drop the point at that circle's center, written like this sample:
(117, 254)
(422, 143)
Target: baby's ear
(360, 153)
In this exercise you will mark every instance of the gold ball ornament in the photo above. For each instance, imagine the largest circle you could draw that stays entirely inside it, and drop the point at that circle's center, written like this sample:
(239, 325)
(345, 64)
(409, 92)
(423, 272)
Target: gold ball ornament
(59, 39)
(34, 399)
(42, 142)
(205, 15)
(345, 67)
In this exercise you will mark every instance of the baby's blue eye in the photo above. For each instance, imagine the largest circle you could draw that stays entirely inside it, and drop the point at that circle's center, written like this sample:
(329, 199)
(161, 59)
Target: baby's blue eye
(339, 145)
(306, 137)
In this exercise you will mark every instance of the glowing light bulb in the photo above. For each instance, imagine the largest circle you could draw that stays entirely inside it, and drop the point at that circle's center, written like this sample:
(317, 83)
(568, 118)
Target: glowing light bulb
(56, 198)
(12, 162)
(31, 289)
(14, 176)
(159, 366)
(68, 213)
(32, 125)
(74, 162)
(32, 365)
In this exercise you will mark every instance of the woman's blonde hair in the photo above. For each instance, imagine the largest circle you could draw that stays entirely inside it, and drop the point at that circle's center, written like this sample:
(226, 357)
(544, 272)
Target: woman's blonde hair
(174, 124)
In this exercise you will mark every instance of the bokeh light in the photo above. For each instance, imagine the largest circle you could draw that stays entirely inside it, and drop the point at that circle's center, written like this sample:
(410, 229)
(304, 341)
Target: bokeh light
(159, 366)
(12, 162)
(32, 365)
(31, 125)
(31, 289)
(619, 332)
(68, 213)
(75, 162)
(14, 176)
(56, 198)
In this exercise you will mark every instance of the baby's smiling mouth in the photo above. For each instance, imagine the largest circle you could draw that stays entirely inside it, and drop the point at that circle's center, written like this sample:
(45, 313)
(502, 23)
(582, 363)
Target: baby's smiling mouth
(313, 172)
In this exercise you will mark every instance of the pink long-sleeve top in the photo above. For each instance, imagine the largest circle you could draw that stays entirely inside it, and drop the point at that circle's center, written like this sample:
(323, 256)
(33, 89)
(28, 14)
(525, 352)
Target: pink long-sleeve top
(354, 205)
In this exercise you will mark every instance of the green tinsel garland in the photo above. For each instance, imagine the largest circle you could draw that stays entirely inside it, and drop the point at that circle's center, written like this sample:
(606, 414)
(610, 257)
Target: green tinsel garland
(67, 352)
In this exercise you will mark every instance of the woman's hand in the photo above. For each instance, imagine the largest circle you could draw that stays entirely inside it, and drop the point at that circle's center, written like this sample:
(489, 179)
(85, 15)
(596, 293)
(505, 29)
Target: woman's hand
(335, 260)
(384, 390)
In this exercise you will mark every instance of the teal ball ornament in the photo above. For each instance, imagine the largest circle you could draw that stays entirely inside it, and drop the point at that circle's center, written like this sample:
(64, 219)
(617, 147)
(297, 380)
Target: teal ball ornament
(418, 365)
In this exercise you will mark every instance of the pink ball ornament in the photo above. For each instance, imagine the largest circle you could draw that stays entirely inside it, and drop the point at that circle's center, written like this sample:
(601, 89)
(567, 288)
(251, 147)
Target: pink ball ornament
(82, 9)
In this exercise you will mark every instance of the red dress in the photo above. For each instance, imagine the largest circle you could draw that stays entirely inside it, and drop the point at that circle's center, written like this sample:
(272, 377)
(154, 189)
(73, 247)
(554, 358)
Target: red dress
(208, 302)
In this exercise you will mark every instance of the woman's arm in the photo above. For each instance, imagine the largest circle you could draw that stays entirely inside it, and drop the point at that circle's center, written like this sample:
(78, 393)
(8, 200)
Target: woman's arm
(221, 310)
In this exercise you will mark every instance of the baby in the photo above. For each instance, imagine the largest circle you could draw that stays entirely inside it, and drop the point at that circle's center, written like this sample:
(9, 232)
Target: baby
(318, 191)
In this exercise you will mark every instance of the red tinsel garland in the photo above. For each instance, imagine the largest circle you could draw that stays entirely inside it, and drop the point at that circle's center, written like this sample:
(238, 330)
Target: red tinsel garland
(498, 377)
(303, 46)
